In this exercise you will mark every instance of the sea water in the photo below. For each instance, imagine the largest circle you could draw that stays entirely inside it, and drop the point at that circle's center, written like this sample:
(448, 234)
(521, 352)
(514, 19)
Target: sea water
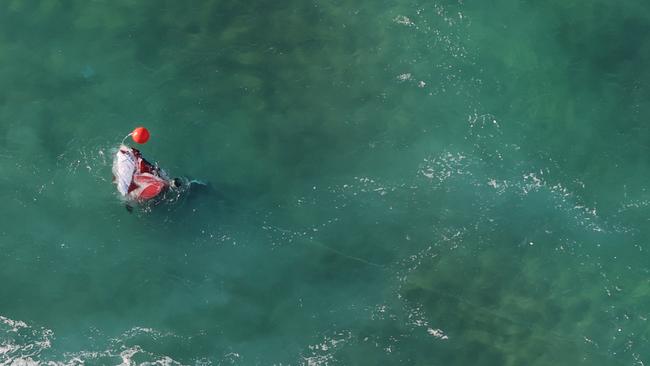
(391, 182)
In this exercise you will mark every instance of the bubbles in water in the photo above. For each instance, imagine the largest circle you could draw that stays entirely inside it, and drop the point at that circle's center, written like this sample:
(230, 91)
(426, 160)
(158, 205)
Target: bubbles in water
(22, 344)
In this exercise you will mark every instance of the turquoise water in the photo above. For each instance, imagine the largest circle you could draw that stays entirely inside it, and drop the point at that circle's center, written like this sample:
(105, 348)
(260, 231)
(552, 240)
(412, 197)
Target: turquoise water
(391, 183)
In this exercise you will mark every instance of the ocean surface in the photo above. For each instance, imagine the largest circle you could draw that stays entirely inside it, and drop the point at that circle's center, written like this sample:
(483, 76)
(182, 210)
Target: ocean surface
(390, 182)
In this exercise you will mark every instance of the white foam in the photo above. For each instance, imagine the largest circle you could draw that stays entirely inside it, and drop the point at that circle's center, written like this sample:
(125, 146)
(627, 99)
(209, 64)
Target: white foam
(438, 333)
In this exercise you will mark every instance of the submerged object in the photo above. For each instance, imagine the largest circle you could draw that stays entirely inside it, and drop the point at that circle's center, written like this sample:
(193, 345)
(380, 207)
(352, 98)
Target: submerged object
(137, 180)
(88, 72)
(140, 135)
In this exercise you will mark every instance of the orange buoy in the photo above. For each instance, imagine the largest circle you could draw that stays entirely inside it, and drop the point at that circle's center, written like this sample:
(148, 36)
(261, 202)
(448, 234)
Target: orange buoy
(140, 135)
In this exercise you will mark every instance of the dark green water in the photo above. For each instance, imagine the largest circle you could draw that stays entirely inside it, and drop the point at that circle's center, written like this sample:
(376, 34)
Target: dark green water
(393, 182)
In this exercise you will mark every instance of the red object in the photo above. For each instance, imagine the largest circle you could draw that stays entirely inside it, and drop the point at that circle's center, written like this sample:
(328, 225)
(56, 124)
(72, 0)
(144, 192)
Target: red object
(140, 135)
(151, 185)
(137, 179)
